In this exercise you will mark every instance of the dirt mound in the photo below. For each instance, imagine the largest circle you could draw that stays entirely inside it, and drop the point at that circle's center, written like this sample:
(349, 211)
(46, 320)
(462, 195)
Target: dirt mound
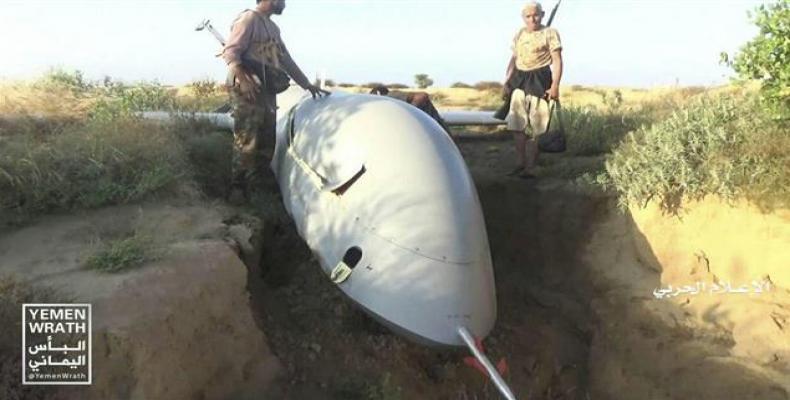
(177, 327)
(598, 267)
(702, 346)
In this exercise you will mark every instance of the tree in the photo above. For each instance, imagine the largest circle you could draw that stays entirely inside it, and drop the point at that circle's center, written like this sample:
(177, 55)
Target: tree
(766, 58)
(422, 81)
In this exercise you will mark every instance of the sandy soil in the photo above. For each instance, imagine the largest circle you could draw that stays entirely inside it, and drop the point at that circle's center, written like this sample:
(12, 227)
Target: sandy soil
(577, 317)
(177, 327)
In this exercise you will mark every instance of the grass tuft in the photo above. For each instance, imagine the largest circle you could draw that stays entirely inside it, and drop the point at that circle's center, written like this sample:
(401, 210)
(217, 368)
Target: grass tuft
(123, 253)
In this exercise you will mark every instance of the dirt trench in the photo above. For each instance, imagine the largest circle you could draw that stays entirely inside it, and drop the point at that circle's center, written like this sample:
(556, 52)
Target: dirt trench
(576, 318)
(331, 350)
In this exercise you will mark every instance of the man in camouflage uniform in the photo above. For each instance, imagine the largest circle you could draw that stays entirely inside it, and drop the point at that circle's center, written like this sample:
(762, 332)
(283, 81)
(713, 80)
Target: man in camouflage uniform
(254, 42)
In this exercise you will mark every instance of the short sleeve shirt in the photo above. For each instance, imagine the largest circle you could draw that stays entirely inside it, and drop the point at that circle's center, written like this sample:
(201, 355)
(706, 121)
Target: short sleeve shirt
(533, 49)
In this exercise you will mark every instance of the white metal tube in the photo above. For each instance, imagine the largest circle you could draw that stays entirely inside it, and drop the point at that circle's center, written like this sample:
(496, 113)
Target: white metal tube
(492, 372)
(220, 120)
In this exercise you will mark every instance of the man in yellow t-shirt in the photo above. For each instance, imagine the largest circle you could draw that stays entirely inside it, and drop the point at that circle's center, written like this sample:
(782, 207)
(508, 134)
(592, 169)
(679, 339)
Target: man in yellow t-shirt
(534, 75)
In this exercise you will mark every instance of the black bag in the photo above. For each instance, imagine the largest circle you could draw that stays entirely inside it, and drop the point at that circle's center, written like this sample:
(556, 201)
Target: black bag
(553, 141)
(274, 80)
(503, 110)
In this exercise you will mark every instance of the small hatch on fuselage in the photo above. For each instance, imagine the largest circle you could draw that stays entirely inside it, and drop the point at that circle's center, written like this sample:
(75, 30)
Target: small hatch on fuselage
(352, 256)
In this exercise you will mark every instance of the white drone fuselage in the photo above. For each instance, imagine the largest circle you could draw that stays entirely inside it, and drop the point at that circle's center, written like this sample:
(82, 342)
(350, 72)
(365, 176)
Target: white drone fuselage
(383, 198)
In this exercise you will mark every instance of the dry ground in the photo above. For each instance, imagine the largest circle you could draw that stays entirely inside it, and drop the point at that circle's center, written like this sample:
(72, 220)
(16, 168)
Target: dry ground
(576, 315)
(564, 325)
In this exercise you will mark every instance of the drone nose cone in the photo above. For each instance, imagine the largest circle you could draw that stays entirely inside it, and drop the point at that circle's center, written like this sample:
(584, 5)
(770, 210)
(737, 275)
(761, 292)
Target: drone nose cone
(408, 209)
(421, 298)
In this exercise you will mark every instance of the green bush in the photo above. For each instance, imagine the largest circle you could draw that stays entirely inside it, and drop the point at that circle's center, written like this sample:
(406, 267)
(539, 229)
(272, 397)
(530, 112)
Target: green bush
(461, 85)
(713, 146)
(593, 131)
(119, 101)
(91, 150)
(71, 80)
(766, 58)
(88, 165)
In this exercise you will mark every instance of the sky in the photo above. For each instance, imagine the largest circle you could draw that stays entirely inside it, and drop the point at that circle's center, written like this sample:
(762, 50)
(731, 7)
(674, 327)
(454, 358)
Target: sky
(639, 43)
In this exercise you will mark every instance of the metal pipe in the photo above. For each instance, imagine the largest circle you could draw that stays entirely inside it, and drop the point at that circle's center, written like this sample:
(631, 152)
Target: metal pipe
(480, 356)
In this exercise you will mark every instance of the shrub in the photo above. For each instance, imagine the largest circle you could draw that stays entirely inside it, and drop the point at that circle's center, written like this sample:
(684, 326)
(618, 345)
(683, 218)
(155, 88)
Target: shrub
(89, 165)
(121, 101)
(345, 85)
(488, 85)
(397, 86)
(591, 131)
(713, 146)
(204, 88)
(90, 150)
(461, 85)
(766, 57)
(71, 80)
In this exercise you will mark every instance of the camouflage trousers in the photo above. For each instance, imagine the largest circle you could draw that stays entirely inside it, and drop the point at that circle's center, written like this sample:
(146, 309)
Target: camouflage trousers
(253, 138)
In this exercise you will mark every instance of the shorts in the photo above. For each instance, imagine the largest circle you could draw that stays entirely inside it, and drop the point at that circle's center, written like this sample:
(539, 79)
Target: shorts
(528, 114)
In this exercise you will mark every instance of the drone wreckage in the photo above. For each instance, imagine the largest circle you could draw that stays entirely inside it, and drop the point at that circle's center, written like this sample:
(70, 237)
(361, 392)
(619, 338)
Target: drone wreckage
(382, 196)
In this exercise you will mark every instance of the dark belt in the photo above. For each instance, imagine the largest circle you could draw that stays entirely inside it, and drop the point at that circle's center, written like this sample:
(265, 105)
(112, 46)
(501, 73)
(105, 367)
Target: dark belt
(534, 82)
